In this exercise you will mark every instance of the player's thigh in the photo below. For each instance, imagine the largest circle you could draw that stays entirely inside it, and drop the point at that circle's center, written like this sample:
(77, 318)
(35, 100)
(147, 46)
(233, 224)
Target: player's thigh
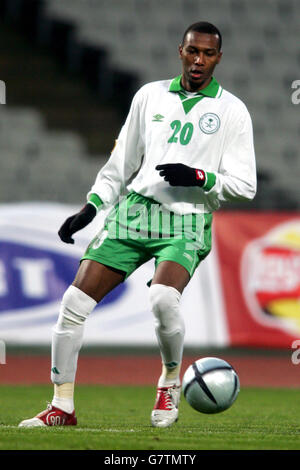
(171, 274)
(96, 279)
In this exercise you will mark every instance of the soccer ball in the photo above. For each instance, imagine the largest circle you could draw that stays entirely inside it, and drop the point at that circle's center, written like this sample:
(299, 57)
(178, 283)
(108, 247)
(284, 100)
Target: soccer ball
(210, 385)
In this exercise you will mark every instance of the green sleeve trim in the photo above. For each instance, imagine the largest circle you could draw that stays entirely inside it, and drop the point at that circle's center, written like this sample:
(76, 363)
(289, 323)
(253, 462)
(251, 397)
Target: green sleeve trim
(95, 200)
(210, 181)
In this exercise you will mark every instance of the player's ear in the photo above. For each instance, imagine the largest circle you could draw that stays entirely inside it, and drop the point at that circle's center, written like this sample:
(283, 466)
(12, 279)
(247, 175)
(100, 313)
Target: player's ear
(219, 57)
(180, 47)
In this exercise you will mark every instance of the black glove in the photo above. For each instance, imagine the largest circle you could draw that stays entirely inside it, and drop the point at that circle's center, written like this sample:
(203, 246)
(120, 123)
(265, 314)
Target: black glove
(76, 222)
(178, 174)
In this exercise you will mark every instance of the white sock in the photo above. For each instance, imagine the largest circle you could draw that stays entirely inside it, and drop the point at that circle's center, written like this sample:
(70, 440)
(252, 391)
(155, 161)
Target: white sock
(64, 397)
(65, 404)
(169, 325)
(169, 376)
(67, 334)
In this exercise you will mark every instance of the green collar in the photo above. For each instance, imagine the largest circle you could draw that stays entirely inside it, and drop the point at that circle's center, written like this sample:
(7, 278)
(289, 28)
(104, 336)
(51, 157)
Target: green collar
(211, 90)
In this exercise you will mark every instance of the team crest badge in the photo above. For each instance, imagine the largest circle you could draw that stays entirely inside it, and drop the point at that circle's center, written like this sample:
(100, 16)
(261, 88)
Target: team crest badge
(209, 123)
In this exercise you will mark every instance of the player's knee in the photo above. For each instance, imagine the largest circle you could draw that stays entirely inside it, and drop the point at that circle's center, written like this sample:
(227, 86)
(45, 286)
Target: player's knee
(164, 301)
(75, 307)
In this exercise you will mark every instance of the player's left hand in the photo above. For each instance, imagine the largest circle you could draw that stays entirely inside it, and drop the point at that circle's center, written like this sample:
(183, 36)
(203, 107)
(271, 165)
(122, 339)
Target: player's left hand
(178, 174)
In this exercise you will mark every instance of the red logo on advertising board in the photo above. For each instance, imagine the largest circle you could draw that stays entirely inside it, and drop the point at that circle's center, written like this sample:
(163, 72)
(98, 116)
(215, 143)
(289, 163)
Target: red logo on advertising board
(271, 277)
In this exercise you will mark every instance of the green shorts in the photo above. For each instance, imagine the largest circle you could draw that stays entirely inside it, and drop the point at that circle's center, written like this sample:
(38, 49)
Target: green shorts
(139, 229)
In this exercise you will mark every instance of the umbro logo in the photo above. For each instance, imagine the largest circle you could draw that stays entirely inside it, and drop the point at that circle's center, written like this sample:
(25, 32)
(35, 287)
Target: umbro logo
(157, 118)
(55, 370)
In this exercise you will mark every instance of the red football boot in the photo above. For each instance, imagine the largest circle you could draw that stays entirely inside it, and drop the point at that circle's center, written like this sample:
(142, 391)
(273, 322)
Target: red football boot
(165, 411)
(52, 416)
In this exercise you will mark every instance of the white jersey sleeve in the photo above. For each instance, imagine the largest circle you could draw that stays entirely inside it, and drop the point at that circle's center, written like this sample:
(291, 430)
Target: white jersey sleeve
(125, 158)
(236, 176)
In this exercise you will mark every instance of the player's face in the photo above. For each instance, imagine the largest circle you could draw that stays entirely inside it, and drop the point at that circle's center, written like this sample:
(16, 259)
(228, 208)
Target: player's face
(199, 55)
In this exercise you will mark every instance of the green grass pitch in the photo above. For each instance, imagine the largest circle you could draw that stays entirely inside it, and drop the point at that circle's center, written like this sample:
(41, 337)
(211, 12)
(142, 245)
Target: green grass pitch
(118, 418)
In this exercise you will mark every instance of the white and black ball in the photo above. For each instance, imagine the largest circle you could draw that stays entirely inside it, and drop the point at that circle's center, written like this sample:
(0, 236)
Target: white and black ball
(210, 385)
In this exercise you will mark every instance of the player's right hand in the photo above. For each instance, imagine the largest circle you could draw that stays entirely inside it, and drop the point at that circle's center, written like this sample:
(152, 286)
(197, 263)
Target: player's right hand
(76, 222)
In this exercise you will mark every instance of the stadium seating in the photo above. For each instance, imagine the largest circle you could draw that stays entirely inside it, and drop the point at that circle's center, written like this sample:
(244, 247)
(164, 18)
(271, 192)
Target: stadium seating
(39, 164)
(261, 59)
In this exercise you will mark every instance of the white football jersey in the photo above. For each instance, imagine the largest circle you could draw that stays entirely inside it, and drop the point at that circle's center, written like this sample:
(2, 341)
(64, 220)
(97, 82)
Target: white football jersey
(209, 130)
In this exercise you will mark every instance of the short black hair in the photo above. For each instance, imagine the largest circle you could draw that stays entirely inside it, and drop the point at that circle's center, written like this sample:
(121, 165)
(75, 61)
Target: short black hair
(203, 27)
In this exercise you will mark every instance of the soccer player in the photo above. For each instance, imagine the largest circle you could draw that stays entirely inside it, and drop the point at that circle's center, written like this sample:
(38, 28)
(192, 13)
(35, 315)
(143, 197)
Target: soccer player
(186, 146)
